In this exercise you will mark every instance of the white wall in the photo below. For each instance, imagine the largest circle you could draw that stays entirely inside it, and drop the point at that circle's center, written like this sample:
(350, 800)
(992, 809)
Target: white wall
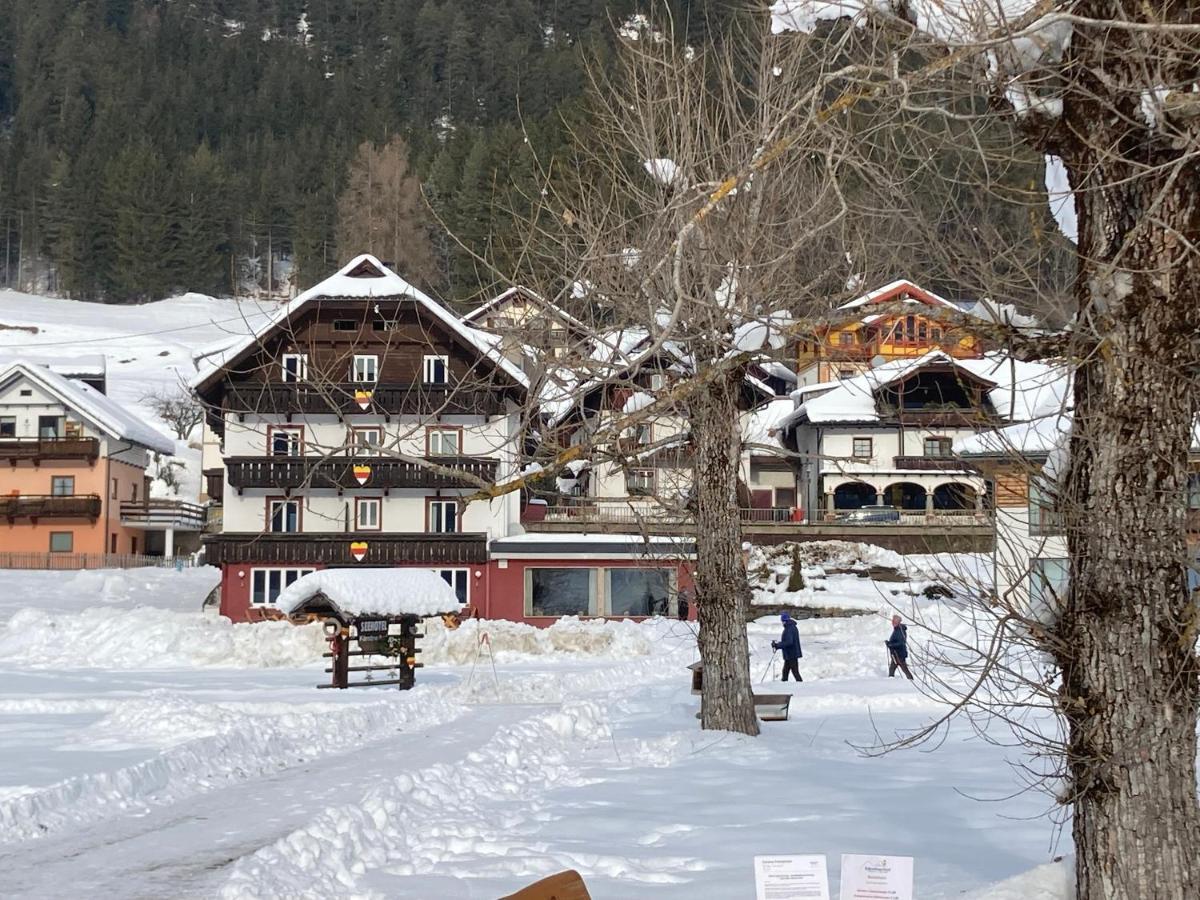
(1016, 549)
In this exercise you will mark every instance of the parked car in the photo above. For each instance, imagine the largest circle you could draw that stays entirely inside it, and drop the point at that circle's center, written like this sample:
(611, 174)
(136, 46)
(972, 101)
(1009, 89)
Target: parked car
(870, 515)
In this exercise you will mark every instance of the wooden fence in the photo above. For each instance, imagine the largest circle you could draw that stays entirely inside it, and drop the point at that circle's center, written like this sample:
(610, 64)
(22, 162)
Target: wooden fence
(67, 561)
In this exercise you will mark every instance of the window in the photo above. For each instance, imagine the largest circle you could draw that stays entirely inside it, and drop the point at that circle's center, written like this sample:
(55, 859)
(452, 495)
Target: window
(1193, 500)
(112, 543)
(1048, 582)
(62, 485)
(295, 367)
(8, 426)
(283, 516)
(843, 374)
(48, 426)
(62, 542)
(638, 592)
(345, 325)
(560, 592)
(437, 369)
(846, 339)
(443, 516)
(910, 331)
(287, 441)
(133, 546)
(639, 482)
(133, 492)
(459, 580)
(115, 490)
(267, 584)
(863, 448)
(921, 328)
(443, 441)
(936, 334)
(941, 447)
(366, 441)
(368, 513)
(26, 392)
(1045, 518)
(365, 368)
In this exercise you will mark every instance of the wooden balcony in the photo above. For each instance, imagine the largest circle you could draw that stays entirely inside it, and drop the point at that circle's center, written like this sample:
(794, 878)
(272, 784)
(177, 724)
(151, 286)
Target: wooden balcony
(289, 472)
(386, 399)
(214, 484)
(162, 515)
(37, 450)
(931, 464)
(45, 506)
(383, 549)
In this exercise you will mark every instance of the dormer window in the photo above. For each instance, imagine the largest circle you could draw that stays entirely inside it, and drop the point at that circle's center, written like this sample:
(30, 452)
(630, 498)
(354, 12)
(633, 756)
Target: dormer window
(294, 367)
(436, 369)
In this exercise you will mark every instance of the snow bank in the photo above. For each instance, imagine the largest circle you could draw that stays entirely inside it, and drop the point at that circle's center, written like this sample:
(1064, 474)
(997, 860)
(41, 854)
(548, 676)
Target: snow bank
(238, 742)
(147, 638)
(383, 592)
(112, 588)
(515, 641)
(1054, 881)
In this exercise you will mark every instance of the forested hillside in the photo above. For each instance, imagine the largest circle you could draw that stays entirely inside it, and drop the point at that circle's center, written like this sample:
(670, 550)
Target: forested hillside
(149, 145)
(152, 146)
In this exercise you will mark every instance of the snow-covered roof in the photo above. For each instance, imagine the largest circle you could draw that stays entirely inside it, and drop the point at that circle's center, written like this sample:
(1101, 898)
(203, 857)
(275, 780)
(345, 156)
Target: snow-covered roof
(381, 592)
(365, 277)
(500, 299)
(1017, 390)
(1034, 439)
(762, 424)
(102, 411)
(890, 293)
(88, 365)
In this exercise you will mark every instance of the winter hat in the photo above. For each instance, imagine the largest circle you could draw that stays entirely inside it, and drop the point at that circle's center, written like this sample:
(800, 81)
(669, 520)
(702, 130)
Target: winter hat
(784, 617)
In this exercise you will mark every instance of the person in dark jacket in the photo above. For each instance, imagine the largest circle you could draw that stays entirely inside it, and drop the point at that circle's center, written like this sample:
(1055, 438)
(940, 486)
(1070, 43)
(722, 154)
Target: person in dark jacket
(789, 643)
(897, 646)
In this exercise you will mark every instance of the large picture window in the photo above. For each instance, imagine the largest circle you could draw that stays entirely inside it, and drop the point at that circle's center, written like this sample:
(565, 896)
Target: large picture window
(267, 584)
(638, 592)
(560, 592)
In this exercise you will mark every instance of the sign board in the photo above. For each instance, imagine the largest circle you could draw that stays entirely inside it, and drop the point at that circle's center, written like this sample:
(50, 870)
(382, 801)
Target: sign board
(876, 877)
(791, 878)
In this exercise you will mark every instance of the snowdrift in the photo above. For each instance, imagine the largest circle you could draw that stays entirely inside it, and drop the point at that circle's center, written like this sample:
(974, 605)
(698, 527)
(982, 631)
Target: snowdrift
(514, 641)
(146, 638)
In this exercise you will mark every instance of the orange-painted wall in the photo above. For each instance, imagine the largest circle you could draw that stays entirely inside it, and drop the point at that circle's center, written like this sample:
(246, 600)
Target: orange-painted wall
(24, 536)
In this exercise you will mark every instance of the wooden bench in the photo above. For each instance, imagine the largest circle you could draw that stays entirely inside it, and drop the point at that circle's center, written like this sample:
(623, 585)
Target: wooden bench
(563, 886)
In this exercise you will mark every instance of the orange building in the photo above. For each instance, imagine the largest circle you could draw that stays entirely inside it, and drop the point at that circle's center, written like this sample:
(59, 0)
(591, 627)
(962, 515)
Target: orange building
(897, 321)
(73, 483)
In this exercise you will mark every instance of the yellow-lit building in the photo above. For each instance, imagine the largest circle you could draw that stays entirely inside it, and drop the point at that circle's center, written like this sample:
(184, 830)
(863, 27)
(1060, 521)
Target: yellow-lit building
(897, 321)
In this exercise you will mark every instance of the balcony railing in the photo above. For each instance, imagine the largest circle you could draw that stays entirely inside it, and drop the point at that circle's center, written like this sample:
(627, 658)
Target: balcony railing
(45, 506)
(342, 399)
(382, 549)
(374, 471)
(931, 463)
(940, 518)
(637, 511)
(34, 449)
(160, 514)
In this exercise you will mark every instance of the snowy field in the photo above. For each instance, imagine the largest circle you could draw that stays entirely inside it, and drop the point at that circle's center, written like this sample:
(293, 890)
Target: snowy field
(150, 750)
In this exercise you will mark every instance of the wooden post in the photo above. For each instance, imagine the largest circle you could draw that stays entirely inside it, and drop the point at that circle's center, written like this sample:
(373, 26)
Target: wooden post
(341, 663)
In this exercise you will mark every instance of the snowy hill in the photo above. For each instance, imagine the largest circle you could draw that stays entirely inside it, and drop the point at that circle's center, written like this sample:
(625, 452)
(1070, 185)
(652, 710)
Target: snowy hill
(148, 348)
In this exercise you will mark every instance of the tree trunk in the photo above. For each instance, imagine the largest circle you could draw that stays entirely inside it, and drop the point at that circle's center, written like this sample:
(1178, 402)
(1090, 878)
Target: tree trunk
(722, 592)
(1128, 634)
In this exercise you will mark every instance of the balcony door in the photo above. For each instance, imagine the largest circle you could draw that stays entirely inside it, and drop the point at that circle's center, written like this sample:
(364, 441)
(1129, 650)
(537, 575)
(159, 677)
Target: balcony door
(49, 426)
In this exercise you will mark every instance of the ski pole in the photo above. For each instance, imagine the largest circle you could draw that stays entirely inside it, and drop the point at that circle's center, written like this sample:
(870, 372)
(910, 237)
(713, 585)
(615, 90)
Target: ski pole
(770, 665)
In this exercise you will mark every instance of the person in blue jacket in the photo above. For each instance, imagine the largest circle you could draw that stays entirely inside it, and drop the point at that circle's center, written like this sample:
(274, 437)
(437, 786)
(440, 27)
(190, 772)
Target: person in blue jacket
(789, 643)
(897, 646)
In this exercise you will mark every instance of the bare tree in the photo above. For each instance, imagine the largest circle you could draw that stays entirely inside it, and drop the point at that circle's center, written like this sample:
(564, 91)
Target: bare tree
(176, 406)
(1107, 89)
(381, 211)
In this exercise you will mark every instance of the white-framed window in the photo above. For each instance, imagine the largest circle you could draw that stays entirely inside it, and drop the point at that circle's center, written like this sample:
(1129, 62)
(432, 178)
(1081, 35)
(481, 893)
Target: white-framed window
(286, 441)
(366, 441)
(444, 441)
(443, 516)
(267, 584)
(1045, 515)
(368, 513)
(460, 580)
(283, 516)
(365, 368)
(436, 369)
(639, 482)
(294, 367)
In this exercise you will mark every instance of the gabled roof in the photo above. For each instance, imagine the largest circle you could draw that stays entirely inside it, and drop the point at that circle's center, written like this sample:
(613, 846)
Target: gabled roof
(364, 277)
(901, 291)
(500, 299)
(101, 411)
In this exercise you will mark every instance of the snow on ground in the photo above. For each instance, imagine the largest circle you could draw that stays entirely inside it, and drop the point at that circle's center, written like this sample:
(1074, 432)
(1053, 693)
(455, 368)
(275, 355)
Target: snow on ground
(152, 749)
